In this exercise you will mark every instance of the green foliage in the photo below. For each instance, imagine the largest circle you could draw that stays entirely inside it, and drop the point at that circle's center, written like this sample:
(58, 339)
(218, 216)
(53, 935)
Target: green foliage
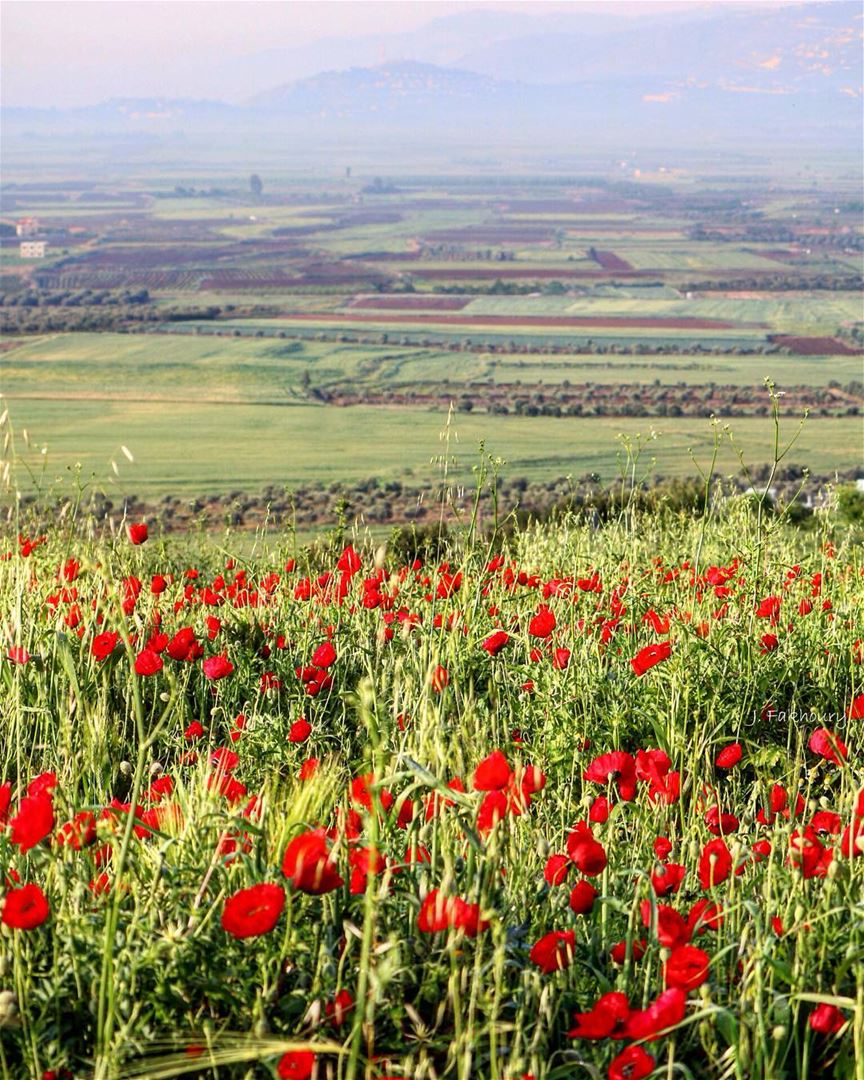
(850, 502)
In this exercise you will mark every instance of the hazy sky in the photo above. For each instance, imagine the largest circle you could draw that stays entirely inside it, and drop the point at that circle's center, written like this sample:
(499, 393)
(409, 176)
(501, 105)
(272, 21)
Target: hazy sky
(69, 52)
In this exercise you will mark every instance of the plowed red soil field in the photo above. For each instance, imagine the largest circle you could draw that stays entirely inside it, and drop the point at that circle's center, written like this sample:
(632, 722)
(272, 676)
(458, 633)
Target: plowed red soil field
(817, 346)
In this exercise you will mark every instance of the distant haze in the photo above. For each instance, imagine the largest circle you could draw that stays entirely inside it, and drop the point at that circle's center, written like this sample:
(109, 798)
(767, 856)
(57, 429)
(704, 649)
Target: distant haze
(69, 54)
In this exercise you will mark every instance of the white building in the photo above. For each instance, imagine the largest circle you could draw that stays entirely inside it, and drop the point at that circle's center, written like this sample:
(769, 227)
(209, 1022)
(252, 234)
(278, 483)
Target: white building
(33, 249)
(27, 226)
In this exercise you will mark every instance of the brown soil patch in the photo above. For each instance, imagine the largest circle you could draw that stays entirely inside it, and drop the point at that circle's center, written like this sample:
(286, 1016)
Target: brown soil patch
(817, 346)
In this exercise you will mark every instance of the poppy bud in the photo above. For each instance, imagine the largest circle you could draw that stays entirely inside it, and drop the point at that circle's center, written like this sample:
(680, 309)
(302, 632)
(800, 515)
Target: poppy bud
(8, 1006)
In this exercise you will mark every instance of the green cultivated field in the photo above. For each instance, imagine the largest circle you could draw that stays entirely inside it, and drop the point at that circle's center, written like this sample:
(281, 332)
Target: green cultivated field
(248, 369)
(803, 315)
(192, 449)
(204, 415)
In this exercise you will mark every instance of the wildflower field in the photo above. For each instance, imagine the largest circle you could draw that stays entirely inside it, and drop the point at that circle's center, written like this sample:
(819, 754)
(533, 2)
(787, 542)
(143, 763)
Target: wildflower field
(584, 801)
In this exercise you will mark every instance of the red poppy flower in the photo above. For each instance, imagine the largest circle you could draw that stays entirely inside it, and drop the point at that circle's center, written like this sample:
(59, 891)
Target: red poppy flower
(492, 810)
(826, 823)
(25, 908)
(556, 869)
(828, 745)
(582, 898)
(493, 773)
(715, 863)
(554, 951)
(33, 822)
(299, 731)
(637, 947)
(217, 667)
(18, 654)
(138, 532)
(439, 679)
(361, 792)
(851, 842)
(104, 644)
(338, 1009)
(543, 623)
(856, 709)
(308, 768)
(466, 918)
(808, 854)
(671, 926)
(561, 659)
(78, 833)
(652, 766)
(618, 766)
(769, 642)
(439, 912)
(365, 862)
(666, 879)
(634, 1063)
(495, 642)
(182, 645)
(436, 912)
(668, 791)
(826, 1019)
(605, 1019)
(686, 968)
(719, 823)
(663, 1013)
(533, 779)
(588, 853)
(253, 911)
(296, 1065)
(225, 760)
(307, 863)
(148, 662)
(646, 658)
(704, 915)
(324, 656)
(43, 784)
(729, 756)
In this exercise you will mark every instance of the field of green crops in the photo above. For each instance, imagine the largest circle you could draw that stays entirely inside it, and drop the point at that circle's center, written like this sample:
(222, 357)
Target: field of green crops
(801, 315)
(246, 369)
(189, 448)
(171, 399)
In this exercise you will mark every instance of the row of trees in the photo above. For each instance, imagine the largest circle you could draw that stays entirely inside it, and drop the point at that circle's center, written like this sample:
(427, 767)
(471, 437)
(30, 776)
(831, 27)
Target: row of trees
(50, 298)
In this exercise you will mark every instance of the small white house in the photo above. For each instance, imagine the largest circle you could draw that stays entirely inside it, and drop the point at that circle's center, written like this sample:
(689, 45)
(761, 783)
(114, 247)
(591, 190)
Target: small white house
(27, 226)
(33, 249)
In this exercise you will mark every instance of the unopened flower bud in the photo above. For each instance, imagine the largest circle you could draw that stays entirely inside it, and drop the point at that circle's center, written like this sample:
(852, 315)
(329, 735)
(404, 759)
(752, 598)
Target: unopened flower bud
(8, 1007)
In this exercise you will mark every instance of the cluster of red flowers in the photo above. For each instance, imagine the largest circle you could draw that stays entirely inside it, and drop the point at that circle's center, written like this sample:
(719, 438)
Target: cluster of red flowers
(170, 629)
